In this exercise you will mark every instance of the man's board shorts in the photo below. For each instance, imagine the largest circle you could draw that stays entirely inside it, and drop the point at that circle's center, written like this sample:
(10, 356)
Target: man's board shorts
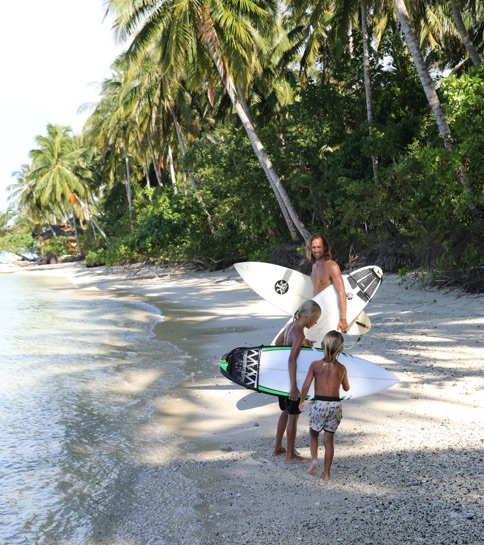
(289, 405)
(325, 414)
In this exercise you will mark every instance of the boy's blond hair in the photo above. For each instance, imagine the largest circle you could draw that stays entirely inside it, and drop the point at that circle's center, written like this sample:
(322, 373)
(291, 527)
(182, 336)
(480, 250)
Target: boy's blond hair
(333, 344)
(308, 308)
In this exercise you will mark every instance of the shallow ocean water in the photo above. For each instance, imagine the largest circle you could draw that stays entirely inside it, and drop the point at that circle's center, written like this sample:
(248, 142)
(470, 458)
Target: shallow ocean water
(79, 373)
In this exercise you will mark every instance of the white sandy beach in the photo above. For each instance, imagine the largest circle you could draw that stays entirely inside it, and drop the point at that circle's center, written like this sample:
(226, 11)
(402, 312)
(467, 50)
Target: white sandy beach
(408, 461)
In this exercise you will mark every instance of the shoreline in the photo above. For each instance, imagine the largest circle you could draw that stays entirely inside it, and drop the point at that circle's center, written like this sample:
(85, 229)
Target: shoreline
(407, 460)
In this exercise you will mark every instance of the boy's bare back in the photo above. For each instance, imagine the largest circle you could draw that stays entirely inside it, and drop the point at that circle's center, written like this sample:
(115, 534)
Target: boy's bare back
(293, 334)
(328, 377)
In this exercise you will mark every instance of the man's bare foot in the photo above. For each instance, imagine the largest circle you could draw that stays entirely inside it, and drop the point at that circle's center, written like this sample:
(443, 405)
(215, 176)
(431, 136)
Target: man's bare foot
(280, 450)
(325, 476)
(297, 460)
(313, 467)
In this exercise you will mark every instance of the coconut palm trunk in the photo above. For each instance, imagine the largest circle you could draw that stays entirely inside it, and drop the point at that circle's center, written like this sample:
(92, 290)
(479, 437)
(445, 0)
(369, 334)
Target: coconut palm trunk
(429, 89)
(147, 169)
(282, 206)
(182, 147)
(128, 182)
(153, 159)
(76, 234)
(89, 217)
(172, 170)
(190, 173)
(466, 39)
(207, 34)
(423, 73)
(366, 75)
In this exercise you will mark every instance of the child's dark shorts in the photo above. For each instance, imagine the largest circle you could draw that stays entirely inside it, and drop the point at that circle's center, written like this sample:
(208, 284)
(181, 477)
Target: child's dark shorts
(289, 405)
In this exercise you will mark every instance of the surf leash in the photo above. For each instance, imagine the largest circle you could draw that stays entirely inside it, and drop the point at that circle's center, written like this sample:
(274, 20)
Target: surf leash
(354, 344)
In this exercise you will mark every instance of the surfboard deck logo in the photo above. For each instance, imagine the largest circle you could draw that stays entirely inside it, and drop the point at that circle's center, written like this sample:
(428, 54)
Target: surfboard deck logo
(281, 287)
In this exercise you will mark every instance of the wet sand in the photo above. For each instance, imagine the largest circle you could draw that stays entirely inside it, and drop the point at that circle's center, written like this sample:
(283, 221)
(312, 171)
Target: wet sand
(408, 461)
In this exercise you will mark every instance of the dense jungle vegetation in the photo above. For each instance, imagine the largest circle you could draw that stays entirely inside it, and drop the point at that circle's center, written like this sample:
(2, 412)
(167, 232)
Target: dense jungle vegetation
(233, 130)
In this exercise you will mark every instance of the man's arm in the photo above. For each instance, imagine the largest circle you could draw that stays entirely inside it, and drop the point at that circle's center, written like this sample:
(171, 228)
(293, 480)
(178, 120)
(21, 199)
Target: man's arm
(339, 285)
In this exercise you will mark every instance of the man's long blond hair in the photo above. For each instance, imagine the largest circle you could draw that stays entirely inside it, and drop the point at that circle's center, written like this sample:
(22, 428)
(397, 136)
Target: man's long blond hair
(333, 344)
(326, 244)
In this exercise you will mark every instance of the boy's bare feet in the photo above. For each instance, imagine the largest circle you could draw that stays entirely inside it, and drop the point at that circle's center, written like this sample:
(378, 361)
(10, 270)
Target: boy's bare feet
(280, 450)
(325, 476)
(313, 467)
(297, 460)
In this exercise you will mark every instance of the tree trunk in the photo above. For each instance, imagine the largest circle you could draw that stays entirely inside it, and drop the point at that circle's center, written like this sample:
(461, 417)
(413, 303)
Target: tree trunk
(172, 170)
(75, 230)
(128, 183)
(351, 51)
(429, 88)
(89, 217)
(366, 74)
(425, 79)
(190, 173)
(182, 147)
(147, 170)
(466, 39)
(208, 35)
(153, 159)
(185, 185)
(280, 201)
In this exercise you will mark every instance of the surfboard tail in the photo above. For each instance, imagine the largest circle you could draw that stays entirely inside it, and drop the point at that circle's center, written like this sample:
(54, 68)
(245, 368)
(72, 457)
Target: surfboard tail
(368, 280)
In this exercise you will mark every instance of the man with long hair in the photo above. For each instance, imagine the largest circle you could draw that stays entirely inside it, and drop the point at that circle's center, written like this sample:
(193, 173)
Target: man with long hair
(325, 272)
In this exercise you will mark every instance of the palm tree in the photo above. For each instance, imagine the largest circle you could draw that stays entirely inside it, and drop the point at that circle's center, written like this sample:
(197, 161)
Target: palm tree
(429, 88)
(425, 79)
(56, 172)
(23, 194)
(367, 79)
(443, 26)
(464, 34)
(112, 128)
(190, 33)
(322, 17)
(309, 22)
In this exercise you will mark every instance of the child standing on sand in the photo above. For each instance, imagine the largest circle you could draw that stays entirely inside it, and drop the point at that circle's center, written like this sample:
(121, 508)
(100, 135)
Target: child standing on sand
(306, 316)
(326, 412)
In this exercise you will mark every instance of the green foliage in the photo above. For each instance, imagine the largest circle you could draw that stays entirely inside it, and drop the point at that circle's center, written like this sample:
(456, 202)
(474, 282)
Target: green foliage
(426, 203)
(18, 242)
(242, 206)
(164, 225)
(56, 246)
(465, 109)
(94, 259)
(118, 251)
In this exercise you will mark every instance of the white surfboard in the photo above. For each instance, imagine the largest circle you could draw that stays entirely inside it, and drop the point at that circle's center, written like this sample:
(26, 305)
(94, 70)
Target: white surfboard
(265, 369)
(361, 325)
(287, 290)
(360, 287)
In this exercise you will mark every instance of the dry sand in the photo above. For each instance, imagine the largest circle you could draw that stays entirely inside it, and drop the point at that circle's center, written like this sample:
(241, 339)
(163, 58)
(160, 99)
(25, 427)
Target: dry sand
(408, 464)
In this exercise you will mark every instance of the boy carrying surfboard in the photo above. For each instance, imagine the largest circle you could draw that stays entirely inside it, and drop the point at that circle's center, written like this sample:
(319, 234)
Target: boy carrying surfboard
(326, 412)
(306, 316)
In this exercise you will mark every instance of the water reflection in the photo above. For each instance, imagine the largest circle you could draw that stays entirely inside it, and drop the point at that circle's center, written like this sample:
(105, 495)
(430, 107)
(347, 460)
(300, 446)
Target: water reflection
(78, 374)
